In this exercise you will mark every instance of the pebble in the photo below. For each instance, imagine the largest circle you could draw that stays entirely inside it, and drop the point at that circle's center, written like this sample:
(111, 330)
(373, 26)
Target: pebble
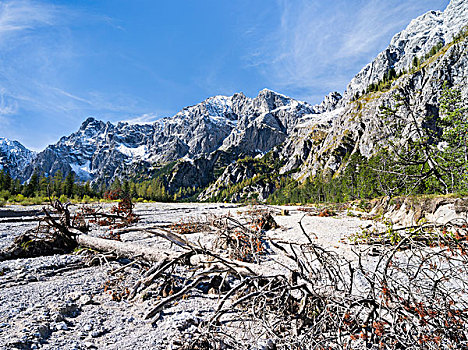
(61, 326)
(85, 299)
(56, 317)
(73, 296)
(89, 344)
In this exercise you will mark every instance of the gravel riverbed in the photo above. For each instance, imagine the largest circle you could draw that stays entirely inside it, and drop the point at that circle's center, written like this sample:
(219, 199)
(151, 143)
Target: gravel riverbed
(59, 302)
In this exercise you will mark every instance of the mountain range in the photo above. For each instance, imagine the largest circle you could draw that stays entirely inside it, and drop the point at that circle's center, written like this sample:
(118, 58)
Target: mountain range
(202, 144)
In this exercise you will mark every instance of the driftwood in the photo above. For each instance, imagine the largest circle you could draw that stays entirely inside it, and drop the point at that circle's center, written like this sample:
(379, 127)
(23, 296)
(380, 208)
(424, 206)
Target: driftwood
(21, 219)
(123, 249)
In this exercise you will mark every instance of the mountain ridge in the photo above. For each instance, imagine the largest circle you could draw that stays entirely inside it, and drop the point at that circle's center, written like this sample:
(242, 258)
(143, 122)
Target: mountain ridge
(14, 157)
(416, 40)
(205, 141)
(100, 151)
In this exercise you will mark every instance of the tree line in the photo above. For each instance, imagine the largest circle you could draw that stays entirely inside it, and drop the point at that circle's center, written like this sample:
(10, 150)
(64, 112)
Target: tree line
(40, 187)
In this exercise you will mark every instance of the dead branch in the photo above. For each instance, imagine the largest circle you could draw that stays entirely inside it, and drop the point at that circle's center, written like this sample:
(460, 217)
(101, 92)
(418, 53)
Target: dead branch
(174, 297)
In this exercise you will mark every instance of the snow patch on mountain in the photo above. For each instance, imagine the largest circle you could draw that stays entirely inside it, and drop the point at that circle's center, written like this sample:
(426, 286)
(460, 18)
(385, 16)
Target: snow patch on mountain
(139, 152)
(14, 157)
(82, 171)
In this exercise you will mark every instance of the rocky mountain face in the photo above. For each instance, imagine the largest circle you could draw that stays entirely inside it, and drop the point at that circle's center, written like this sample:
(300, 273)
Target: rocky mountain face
(242, 173)
(201, 137)
(14, 157)
(329, 103)
(357, 126)
(321, 142)
(416, 40)
(96, 149)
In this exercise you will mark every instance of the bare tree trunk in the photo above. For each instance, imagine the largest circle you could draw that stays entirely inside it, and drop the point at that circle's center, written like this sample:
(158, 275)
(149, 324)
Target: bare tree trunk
(124, 249)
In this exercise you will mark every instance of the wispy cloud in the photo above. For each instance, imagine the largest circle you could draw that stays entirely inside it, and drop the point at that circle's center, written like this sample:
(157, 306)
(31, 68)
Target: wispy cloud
(28, 59)
(147, 118)
(319, 46)
(16, 16)
(7, 106)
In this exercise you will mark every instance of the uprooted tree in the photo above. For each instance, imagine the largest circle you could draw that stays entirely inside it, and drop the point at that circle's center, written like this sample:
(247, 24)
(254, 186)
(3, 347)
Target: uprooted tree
(59, 230)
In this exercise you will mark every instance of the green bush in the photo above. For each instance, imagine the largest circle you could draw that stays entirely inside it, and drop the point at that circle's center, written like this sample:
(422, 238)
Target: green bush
(19, 198)
(5, 195)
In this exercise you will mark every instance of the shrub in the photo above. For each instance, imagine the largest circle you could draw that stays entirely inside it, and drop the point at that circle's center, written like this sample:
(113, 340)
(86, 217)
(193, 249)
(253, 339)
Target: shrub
(19, 198)
(5, 195)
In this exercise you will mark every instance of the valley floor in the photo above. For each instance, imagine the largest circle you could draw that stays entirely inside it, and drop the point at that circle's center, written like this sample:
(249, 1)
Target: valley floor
(59, 302)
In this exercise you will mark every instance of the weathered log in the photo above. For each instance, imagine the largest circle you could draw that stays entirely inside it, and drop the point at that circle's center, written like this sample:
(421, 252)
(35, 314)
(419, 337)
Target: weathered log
(124, 249)
(153, 254)
(21, 219)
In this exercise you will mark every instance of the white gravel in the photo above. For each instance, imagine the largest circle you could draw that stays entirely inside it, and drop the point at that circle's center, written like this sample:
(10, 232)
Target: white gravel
(45, 306)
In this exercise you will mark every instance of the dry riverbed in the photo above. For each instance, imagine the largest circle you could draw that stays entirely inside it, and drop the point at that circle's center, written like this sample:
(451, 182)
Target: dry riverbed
(59, 302)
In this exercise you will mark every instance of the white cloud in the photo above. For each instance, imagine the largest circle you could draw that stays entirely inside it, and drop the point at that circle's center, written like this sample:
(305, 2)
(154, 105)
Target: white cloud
(37, 47)
(147, 118)
(27, 58)
(7, 105)
(21, 15)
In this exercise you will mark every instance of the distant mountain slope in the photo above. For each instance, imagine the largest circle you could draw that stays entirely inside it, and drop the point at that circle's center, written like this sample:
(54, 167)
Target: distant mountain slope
(419, 37)
(14, 157)
(235, 125)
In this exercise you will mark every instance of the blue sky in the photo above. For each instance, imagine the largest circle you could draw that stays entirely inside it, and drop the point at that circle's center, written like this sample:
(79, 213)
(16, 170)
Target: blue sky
(139, 60)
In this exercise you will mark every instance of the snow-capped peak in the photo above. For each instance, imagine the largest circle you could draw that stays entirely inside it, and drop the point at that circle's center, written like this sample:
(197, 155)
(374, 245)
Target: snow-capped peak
(14, 157)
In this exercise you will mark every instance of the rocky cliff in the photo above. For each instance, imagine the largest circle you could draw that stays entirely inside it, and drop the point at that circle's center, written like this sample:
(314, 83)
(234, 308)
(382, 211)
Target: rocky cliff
(214, 132)
(320, 143)
(14, 157)
(421, 35)
(357, 126)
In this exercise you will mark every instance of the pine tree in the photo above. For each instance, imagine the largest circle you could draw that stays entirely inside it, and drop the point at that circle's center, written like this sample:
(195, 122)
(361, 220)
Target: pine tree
(116, 185)
(126, 187)
(33, 185)
(453, 145)
(68, 184)
(57, 185)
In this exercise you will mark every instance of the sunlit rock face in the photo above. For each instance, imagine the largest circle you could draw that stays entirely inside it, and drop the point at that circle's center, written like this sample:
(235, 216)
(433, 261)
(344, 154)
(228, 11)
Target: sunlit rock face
(416, 40)
(236, 124)
(14, 157)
